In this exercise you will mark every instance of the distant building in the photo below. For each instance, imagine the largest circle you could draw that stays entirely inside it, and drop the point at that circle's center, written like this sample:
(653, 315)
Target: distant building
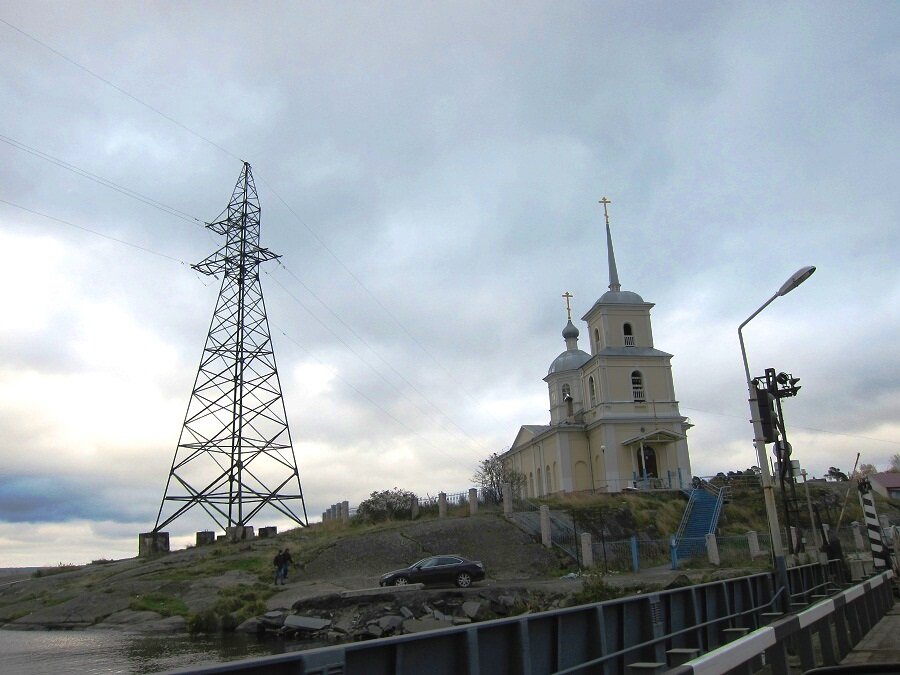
(886, 484)
(614, 420)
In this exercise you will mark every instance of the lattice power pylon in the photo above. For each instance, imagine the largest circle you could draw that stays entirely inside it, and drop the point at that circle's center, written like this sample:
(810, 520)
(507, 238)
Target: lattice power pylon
(234, 455)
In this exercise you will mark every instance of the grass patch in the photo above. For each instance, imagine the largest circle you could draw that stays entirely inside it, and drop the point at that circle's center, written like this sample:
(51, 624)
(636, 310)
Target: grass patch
(59, 569)
(595, 589)
(235, 605)
(216, 564)
(166, 605)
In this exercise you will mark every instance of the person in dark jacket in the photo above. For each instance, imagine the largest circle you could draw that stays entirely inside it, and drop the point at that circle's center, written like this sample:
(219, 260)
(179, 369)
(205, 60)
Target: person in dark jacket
(286, 561)
(279, 563)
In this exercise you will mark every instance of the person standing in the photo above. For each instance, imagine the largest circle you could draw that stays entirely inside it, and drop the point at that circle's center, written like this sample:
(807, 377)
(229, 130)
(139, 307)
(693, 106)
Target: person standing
(286, 561)
(278, 562)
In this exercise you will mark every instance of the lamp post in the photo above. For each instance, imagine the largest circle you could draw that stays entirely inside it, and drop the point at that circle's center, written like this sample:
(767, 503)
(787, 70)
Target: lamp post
(795, 280)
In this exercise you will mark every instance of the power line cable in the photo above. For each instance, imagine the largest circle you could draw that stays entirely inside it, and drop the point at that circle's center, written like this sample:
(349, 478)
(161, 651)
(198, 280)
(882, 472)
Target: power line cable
(118, 88)
(95, 232)
(370, 366)
(797, 426)
(274, 192)
(365, 396)
(185, 216)
(364, 287)
(150, 251)
(171, 210)
(381, 358)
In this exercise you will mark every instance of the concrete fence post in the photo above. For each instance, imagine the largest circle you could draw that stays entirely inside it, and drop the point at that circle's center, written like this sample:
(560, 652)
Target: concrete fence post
(753, 542)
(345, 511)
(712, 549)
(442, 505)
(545, 526)
(473, 501)
(324, 517)
(414, 509)
(635, 554)
(587, 550)
(507, 500)
(857, 536)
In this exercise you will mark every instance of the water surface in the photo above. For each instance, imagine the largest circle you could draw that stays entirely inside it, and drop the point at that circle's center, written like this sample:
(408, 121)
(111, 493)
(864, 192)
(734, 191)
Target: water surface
(101, 652)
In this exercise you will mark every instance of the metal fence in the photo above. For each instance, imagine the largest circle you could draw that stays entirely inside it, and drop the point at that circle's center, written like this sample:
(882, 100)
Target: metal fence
(610, 636)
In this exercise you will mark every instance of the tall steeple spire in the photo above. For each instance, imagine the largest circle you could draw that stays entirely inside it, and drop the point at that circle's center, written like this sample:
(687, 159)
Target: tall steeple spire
(611, 255)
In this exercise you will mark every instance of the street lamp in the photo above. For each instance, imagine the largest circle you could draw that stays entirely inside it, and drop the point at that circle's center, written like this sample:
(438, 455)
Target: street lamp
(793, 281)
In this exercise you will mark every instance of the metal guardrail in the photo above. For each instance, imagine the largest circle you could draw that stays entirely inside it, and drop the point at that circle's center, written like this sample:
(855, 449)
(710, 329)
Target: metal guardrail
(820, 635)
(686, 516)
(599, 638)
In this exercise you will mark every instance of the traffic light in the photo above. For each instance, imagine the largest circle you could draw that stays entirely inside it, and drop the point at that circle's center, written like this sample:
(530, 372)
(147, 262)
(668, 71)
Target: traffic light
(766, 411)
(787, 385)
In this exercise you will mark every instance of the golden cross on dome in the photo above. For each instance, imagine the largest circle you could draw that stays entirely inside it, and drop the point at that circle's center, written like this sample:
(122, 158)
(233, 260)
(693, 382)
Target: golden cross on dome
(568, 296)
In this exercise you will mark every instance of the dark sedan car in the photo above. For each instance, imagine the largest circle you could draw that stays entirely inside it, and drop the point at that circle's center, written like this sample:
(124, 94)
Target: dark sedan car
(437, 569)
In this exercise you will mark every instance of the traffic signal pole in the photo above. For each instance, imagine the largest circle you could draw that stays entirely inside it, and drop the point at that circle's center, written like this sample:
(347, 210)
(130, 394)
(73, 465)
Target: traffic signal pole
(765, 476)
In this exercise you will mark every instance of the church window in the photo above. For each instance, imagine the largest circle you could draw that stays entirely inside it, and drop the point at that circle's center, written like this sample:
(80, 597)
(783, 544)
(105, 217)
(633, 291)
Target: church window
(628, 334)
(548, 484)
(593, 391)
(597, 338)
(566, 391)
(637, 386)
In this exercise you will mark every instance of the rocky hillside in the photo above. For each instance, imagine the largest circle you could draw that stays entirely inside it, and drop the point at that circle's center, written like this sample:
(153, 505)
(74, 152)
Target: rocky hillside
(186, 588)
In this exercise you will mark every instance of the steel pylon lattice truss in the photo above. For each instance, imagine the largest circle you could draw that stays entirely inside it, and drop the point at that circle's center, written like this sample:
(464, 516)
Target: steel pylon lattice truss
(234, 455)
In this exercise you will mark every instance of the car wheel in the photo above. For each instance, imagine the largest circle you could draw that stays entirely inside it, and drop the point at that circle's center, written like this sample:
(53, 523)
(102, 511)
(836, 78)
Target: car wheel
(463, 580)
(401, 581)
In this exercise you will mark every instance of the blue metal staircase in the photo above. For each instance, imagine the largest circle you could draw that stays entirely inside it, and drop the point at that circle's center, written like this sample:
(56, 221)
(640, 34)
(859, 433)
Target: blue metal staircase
(701, 517)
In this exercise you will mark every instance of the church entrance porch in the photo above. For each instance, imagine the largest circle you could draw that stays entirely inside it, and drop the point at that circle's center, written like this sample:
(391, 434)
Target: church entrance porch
(653, 460)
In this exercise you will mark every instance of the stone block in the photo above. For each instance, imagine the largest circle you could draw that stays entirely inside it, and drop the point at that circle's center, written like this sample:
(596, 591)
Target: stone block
(267, 532)
(152, 543)
(239, 532)
(390, 623)
(206, 537)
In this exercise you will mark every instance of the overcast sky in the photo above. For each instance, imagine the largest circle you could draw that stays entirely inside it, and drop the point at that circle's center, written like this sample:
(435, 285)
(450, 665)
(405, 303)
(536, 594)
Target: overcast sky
(430, 173)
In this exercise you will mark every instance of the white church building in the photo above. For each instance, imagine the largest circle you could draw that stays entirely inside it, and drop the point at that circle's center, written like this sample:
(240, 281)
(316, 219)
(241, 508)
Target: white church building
(614, 419)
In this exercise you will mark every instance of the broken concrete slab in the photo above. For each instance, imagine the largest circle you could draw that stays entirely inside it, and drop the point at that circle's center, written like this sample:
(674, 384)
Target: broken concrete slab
(420, 625)
(305, 623)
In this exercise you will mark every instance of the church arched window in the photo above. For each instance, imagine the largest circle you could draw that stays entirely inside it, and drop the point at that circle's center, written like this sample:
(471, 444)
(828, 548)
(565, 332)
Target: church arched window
(592, 390)
(637, 385)
(597, 339)
(566, 391)
(628, 334)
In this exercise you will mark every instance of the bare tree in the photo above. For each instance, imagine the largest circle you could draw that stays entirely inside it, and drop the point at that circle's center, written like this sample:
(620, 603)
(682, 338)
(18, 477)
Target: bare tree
(491, 474)
(866, 470)
(895, 464)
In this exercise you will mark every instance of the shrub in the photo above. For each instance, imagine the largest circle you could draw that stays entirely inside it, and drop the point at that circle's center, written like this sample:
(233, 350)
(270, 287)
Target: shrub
(393, 504)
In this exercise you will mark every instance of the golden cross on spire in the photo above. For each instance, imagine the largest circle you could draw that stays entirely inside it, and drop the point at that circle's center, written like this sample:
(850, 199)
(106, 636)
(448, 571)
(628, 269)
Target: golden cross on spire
(605, 201)
(568, 296)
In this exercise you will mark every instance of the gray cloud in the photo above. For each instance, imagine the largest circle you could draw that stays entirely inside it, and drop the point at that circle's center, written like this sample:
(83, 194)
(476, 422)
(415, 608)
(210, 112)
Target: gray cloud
(452, 160)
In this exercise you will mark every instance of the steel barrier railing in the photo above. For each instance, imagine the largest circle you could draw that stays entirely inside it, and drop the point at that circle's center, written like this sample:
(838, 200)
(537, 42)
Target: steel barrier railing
(823, 634)
(609, 636)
